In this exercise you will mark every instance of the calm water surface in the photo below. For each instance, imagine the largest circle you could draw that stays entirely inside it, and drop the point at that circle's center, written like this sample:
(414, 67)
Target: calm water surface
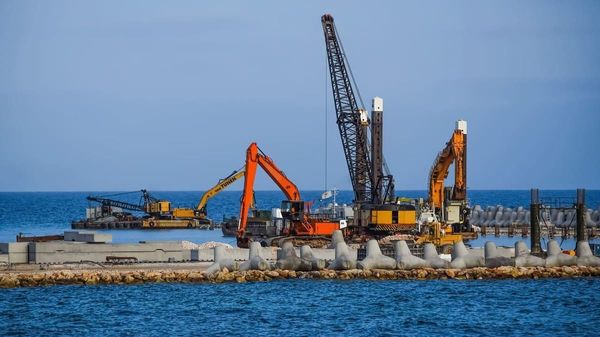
(292, 307)
(308, 307)
(52, 212)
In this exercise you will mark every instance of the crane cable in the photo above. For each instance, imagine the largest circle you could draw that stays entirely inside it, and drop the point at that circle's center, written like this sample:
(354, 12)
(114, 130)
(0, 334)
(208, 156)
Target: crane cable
(326, 105)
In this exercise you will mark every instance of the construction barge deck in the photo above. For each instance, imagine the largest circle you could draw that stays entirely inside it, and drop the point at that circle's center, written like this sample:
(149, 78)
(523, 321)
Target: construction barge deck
(139, 224)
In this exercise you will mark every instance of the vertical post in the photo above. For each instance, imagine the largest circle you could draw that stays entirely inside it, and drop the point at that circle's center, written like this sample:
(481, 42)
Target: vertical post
(536, 247)
(377, 148)
(580, 209)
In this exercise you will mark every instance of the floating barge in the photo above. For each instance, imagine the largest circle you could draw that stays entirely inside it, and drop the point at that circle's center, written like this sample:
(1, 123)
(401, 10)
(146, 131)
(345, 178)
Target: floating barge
(149, 224)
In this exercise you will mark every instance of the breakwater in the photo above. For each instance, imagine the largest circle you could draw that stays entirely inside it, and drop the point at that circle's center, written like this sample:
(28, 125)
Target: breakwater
(504, 217)
(95, 277)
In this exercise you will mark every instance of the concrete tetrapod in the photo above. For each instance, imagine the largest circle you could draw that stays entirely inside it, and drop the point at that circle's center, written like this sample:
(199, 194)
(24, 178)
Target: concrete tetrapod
(524, 259)
(306, 253)
(255, 261)
(375, 259)
(462, 259)
(493, 259)
(343, 259)
(556, 258)
(585, 257)
(431, 256)
(336, 238)
(289, 260)
(405, 259)
(221, 261)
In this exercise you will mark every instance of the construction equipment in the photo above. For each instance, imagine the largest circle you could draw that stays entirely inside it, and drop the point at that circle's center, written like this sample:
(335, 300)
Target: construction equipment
(442, 236)
(218, 188)
(147, 204)
(297, 221)
(450, 203)
(159, 212)
(376, 211)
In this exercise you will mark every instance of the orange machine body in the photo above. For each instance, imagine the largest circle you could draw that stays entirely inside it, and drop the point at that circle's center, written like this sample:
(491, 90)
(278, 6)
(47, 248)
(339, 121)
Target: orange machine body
(293, 208)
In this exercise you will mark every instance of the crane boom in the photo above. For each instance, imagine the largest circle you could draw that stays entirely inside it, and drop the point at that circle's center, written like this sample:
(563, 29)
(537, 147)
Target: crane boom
(352, 121)
(116, 203)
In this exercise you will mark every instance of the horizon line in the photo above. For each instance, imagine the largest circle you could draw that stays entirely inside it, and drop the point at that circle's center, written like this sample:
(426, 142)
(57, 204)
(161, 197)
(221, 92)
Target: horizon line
(276, 190)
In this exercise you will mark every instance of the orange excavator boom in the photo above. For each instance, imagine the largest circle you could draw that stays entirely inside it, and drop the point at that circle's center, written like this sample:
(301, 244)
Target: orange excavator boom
(255, 157)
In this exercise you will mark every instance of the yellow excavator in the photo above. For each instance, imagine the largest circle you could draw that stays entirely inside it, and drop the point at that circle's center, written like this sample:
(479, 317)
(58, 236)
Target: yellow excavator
(200, 211)
(191, 217)
(220, 186)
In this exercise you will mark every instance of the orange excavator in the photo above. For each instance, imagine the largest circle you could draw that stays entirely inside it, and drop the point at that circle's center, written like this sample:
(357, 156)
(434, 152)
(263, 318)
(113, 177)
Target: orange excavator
(297, 221)
(450, 203)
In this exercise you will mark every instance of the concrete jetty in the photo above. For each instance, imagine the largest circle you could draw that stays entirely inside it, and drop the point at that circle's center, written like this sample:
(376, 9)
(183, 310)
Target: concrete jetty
(90, 259)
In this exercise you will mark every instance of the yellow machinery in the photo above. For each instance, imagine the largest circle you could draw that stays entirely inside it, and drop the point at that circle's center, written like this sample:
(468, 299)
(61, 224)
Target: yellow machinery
(450, 204)
(400, 217)
(440, 235)
(165, 217)
(200, 210)
(158, 207)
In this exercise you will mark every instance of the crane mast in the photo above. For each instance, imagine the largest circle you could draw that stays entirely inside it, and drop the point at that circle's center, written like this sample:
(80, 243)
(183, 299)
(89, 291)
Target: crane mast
(352, 121)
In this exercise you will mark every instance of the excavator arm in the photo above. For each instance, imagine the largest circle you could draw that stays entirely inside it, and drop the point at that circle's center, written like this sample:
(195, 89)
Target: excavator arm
(255, 157)
(218, 188)
(454, 152)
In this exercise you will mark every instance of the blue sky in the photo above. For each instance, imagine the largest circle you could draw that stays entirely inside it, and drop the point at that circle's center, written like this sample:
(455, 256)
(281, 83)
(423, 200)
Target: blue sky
(123, 95)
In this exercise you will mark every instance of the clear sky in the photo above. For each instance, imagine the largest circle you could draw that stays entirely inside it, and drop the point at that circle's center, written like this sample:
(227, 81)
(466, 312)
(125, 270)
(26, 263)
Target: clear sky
(123, 95)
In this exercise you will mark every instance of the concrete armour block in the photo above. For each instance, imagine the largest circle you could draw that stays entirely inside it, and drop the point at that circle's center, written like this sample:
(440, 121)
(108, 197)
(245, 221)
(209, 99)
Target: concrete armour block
(255, 261)
(290, 260)
(375, 259)
(585, 257)
(432, 257)
(493, 259)
(556, 258)
(405, 259)
(344, 260)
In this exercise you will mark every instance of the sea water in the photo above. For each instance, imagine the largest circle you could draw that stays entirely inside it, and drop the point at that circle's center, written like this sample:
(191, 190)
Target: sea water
(543, 307)
(43, 213)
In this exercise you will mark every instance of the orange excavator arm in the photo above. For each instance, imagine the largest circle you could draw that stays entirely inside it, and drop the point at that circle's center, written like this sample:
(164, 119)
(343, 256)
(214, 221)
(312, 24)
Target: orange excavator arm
(255, 157)
(454, 152)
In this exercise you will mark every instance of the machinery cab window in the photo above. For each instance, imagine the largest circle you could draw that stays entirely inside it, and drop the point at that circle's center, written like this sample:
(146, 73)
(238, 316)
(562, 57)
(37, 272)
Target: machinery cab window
(292, 209)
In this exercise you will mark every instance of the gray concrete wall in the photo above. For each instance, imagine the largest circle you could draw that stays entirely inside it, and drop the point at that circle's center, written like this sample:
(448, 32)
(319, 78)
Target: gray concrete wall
(238, 254)
(87, 236)
(268, 253)
(156, 251)
(17, 252)
(63, 251)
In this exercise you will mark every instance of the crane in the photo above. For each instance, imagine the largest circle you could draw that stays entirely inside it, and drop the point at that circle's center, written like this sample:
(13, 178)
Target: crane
(148, 204)
(450, 203)
(352, 121)
(296, 217)
(374, 206)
